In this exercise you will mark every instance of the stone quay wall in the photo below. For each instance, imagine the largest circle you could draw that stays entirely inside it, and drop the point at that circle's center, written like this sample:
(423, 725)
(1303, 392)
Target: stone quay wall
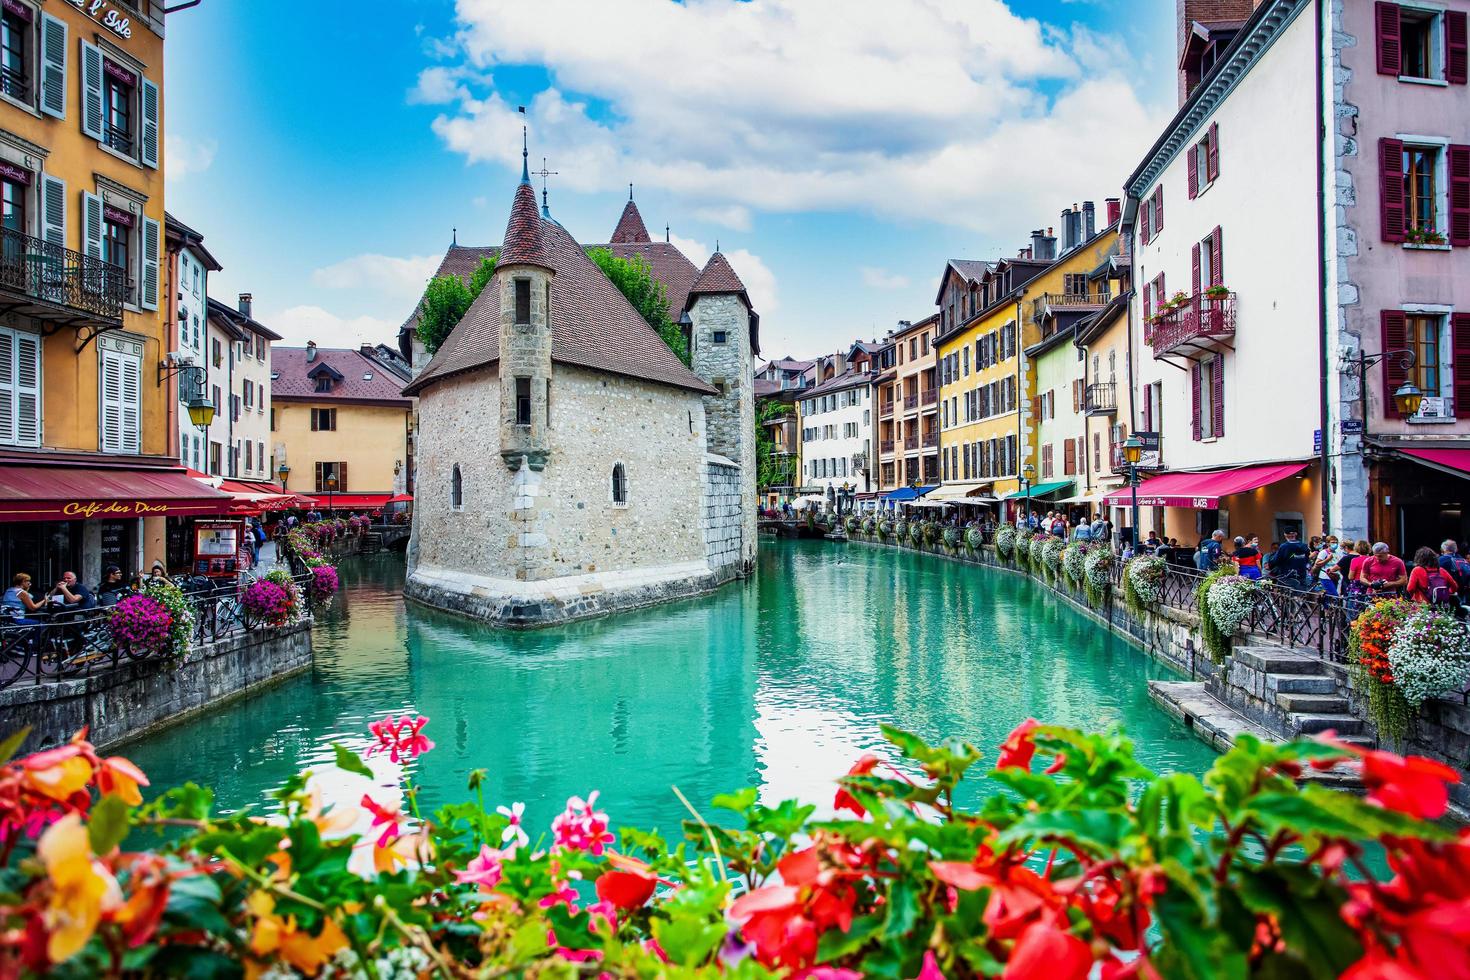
(139, 698)
(724, 514)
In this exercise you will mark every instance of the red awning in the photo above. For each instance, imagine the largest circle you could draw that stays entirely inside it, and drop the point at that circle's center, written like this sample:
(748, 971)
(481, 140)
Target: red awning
(253, 498)
(401, 498)
(1456, 461)
(60, 493)
(352, 501)
(1202, 491)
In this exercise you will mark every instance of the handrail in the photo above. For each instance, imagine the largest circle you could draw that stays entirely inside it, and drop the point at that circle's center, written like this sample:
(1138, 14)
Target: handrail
(59, 275)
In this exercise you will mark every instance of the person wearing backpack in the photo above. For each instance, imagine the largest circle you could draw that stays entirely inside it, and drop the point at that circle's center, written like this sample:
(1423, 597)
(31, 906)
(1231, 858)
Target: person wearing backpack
(1456, 565)
(1430, 584)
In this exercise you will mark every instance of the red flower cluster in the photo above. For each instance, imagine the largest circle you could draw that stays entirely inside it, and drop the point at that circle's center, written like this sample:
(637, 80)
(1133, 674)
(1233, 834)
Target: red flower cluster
(785, 922)
(400, 737)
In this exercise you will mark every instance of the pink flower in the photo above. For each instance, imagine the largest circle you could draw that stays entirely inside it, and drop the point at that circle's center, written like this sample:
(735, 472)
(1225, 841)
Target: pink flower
(390, 818)
(514, 831)
(400, 737)
(483, 870)
(581, 827)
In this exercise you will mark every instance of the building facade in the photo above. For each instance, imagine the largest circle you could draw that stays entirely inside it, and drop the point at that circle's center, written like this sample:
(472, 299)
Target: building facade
(908, 408)
(339, 426)
(836, 422)
(243, 419)
(88, 442)
(186, 284)
(612, 475)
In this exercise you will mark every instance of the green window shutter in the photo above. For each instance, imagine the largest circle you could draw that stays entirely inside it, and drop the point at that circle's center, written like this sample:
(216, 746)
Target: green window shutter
(53, 210)
(91, 225)
(92, 90)
(111, 435)
(149, 298)
(150, 124)
(53, 66)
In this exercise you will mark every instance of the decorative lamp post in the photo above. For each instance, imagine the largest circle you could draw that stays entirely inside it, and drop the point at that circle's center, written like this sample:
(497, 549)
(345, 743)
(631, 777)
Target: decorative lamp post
(201, 411)
(331, 488)
(1027, 472)
(1407, 397)
(283, 471)
(1132, 453)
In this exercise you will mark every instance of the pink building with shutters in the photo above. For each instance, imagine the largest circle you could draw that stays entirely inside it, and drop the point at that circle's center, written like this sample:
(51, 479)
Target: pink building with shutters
(1398, 202)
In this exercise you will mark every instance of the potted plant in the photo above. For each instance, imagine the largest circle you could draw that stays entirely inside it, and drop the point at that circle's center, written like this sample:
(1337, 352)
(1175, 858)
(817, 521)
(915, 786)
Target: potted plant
(1216, 292)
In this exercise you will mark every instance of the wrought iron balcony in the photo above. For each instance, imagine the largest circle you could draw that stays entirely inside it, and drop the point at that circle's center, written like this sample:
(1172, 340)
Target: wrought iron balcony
(49, 282)
(931, 439)
(1200, 325)
(911, 442)
(910, 401)
(1102, 398)
(930, 396)
(1079, 302)
(885, 447)
(885, 409)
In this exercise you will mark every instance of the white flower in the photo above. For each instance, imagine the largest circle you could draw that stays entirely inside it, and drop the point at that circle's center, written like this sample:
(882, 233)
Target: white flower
(1098, 567)
(513, 830)
(1430, 656)
(1005, 540)
(1051, 553)
(1231, 599)
(1146, 573)
(1073, 558)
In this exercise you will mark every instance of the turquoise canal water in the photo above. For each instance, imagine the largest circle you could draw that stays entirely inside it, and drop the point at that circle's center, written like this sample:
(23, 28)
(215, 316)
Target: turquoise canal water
(778, 683)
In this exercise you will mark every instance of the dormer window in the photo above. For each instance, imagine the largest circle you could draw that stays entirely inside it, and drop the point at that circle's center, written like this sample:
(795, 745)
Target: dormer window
(324, 378)
(324, 383)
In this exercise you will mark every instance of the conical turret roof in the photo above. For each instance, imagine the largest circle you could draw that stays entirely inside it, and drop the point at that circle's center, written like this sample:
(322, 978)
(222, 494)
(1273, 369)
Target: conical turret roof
(524, 243)
(630, 226)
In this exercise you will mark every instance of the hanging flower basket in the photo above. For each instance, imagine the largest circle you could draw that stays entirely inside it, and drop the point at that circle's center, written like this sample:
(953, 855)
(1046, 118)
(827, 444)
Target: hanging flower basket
(885, 529)
(1005, 541)
(952, 538)
(140, 626)
(974, 539)
(266, 603)
(868, 525)
(1143, 582)
(1369, 640)
(1073, 558)
(1051, 555)
(1097, 574)
(916, 532)
(1430, 656)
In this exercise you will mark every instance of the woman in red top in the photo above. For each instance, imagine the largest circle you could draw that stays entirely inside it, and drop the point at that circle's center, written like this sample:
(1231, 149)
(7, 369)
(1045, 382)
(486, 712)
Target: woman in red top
(1428, 583)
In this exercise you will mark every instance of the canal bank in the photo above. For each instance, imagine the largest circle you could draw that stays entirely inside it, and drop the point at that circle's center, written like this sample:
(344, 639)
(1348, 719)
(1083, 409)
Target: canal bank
(779, 682)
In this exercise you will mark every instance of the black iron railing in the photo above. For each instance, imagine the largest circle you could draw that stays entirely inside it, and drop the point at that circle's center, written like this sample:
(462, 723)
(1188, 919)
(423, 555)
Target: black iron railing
(81, 644)
(53, 274)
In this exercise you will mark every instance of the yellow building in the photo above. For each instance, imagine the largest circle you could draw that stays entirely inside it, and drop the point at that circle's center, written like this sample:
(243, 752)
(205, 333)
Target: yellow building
(87, 473)
(988, 429)
(341, 429)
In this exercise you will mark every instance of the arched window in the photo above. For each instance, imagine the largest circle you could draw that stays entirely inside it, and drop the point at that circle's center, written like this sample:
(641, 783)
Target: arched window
(619, 485)
(456, 489)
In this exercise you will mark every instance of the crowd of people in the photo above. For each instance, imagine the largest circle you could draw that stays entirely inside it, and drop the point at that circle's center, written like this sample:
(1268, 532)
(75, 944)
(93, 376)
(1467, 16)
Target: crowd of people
(21, 605)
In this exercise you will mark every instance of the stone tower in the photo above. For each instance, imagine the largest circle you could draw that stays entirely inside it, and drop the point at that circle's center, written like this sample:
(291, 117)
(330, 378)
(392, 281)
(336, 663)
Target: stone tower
(724, 339)
(523, 276)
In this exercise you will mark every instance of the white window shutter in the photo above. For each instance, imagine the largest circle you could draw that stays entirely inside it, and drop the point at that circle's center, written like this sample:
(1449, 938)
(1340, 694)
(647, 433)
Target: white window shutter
(91, 90)
(53, 66)
(53, 210)
(27, 389)
(111, 427)
(150, 124)
(7, 387)
(132, 408)
(91, 225)
(149, 300)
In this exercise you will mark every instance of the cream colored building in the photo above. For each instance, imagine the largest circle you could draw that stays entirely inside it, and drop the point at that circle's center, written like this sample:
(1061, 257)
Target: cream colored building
(340, 423)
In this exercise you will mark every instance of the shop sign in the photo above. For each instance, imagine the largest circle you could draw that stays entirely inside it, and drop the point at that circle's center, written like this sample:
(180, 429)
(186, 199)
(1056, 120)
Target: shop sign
(14, 174)
(1351, 427)
(107, 15)
(88, 509)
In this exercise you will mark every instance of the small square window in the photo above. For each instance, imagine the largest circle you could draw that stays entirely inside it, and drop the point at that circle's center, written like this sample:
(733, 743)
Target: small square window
(720, 337)
(523, 401)
(523, 301)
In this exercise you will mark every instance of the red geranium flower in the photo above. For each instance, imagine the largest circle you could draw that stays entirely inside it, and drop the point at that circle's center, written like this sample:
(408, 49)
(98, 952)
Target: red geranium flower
(1044, 952)
(1017, 750)
(845, 800)
(1413, 785)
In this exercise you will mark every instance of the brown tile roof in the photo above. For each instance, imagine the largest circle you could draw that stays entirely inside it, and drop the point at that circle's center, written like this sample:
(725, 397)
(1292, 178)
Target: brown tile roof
(592, 326)
(718, 276)
(630, 227)
(665, 263)
(523, 243)
(764, 388)
(291, 377)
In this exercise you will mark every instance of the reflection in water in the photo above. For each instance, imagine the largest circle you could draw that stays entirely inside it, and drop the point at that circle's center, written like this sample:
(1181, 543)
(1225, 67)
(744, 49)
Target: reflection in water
(778, 683)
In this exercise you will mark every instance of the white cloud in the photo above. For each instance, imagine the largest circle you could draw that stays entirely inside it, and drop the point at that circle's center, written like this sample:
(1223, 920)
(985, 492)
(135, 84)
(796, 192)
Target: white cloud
(958, 111)
(183, 156)
(387, 276)
(440, 85)
(298, 324)
(760, 281)
(883, 279)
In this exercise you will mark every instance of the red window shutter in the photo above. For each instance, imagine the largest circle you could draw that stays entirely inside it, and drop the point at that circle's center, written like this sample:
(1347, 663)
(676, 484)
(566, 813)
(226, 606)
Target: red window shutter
(1148, 307)
(1194, 275)
(1395, 336)
(1391, 209)
(1148, 410)
(1158, 209)
(1460, 362)
(1160, 296)
(1217, 258)
(1143, 223)
(1217, 397)
(1456, 49)
(1194, 383)
(1459, 170)
(1193, 162)
(1212, 153)
(1069, 458)
(1390, 54)
(342, 476)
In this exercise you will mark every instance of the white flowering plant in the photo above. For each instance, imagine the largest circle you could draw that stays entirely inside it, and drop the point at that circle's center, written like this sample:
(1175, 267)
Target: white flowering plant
(974, 539)
(1035, 550)
(1074, 556)
(1430, 656)
(1005, 541)
(1051, 554)
(1097, 573)
(1143, 581)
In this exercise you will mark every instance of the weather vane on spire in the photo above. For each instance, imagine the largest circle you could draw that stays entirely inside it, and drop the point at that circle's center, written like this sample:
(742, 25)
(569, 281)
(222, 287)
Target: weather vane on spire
(525, 148)
(630, 190)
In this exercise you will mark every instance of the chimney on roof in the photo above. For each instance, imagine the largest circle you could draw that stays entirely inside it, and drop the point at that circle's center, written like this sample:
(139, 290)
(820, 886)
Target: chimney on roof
(1025, 253)
(1115, 210)
(245, 300)
(1066, 230)
(1089, 222)
(310, 351)
(367, 350)
(1043, 247)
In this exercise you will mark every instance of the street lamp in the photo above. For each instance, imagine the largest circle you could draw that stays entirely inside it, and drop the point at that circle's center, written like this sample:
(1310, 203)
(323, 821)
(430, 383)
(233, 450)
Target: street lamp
(331, 487)
(201, 411)
(1132, 453)
(1407, 397)
(283, 471)
(1027, 472)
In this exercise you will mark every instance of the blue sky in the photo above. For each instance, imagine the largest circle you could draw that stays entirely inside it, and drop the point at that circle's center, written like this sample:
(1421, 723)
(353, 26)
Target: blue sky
(839, 152)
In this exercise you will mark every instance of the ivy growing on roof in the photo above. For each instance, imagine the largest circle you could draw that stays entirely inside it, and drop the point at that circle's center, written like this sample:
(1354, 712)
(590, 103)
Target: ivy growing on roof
(447, 300)
(635, 281)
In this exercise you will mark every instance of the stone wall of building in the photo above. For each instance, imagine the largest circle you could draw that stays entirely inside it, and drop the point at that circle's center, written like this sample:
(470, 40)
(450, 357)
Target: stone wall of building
(137, 698)
(724, 514)
(729, 366)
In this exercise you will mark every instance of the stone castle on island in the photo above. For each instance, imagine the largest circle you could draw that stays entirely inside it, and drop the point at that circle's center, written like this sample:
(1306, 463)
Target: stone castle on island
(569, 464)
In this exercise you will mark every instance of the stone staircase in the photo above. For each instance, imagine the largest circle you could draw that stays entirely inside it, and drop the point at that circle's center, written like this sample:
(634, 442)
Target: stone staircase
(1303, 692)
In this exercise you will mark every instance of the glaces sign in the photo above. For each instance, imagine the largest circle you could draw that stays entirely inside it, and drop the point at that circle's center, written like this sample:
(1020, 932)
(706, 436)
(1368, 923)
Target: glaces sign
(107, 15)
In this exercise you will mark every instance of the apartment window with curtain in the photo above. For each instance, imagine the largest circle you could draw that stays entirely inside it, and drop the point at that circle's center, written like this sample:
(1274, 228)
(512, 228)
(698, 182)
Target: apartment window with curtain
(1420, 183)
(1425, 338)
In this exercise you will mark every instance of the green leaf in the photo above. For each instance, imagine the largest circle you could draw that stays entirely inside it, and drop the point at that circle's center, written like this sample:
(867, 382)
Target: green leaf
(351, 761)
(1308, 912)
(193, 904)
(107, 824)
(738, 801)
(688, 940)
(529, 941)
(1100, 831)
(194, 963)
(903, 906)
(1316, 809)
(12, 744)
(1192, 949)
(836, 944)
